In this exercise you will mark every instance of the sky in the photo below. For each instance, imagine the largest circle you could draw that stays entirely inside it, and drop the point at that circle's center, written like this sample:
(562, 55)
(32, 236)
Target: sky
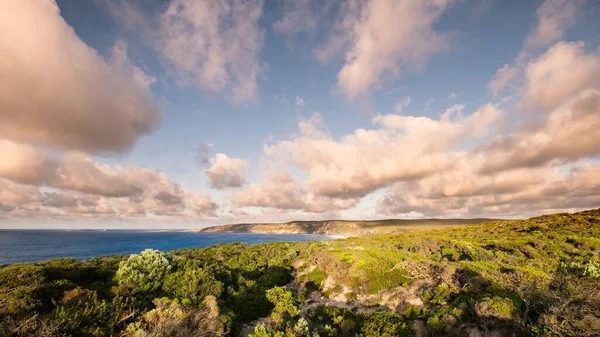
(189, 113)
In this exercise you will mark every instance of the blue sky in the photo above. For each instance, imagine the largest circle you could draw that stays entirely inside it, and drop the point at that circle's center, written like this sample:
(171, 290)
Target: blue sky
(393, 69)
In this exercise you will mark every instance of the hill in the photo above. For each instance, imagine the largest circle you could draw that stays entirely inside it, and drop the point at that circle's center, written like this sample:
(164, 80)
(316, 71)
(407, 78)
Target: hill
(346, 228)
(534, 277)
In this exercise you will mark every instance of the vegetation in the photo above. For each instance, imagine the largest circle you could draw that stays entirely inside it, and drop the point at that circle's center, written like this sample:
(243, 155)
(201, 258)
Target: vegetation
(535, 277)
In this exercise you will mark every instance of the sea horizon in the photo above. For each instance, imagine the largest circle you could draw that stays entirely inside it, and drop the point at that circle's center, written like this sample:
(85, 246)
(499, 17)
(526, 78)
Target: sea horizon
(23, 245)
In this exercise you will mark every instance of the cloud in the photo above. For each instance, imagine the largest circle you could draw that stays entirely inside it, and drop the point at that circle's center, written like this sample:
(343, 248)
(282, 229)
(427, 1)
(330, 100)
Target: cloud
(502, 77)
(83, 186)
(401, 104)
(25, 164)
(555, 17)
(213, 45)
(383, 37)
(13, 195)
(75, 99)
(562, 71)
(404, 148)
(568, 134)
(283, 192)
(523, 192)
(203, 154)
(300, 16)
(226, 172)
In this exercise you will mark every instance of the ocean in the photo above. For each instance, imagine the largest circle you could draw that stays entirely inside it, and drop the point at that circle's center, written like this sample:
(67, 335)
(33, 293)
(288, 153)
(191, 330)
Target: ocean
(39, 245)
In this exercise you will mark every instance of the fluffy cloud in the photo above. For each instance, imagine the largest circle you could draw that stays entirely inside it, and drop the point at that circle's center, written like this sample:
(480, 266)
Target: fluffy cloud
(74, 99)
(405, 148)
(84, 186)
(383, 37)
(569, 133)
(555, 17)
(513, 193)
(226, 172)
(562, 71)
(502, 77)
(283, 192)
(210, 44)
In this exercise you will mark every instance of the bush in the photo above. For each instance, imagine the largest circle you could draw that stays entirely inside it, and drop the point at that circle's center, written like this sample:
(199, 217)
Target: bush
(81, 312)
(20, 286)
(144, 272)
(384, 324)
(285, 301)
(171, 319)
(193, 284)
(591, 269)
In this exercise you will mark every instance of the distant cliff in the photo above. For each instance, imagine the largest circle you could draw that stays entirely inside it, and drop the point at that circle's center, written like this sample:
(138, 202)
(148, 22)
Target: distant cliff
(341, 227)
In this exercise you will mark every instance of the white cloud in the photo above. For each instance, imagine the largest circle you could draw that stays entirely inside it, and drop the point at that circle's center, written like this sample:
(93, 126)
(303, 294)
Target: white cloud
(74, 99)
(502, 78)
(214, 45)
(567, 134)
(561, 72)
(226, 172)
(523, 192)
(384, 37)
(406, 148)
(283, 192)
(555, 17)
(85, 186)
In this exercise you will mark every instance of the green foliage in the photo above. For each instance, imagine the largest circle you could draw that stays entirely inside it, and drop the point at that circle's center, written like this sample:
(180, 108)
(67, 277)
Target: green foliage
(500, 276)
(384, 324)
(144, 272)
(286, 303)
(193, 284)
(20, 288)
(315, 279)
(81, 312)
(590, 269)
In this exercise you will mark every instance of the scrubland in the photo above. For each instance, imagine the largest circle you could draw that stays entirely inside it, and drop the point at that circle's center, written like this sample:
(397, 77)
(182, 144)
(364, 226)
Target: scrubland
(535, 277)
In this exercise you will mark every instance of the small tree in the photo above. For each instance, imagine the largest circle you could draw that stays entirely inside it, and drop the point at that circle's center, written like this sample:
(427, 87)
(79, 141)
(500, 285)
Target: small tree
(286, 303)
(144, 272)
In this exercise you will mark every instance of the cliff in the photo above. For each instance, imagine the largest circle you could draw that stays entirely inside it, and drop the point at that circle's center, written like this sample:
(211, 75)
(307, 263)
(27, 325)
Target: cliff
(341, 227)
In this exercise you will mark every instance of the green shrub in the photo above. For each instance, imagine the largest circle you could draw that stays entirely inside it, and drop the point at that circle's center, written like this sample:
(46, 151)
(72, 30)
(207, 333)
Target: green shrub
(81, 312)
(285, 301)
(384, 280)
(384, 324)
(193, 284)
(315, 279)
(144, 272)
(590, 269)
(20, 288)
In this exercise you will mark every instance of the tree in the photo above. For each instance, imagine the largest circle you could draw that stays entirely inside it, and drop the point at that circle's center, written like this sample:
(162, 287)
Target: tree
(144, 272)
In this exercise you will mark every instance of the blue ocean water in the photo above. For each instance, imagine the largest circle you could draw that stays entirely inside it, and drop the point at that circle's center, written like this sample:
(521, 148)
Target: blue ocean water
(39, 245)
